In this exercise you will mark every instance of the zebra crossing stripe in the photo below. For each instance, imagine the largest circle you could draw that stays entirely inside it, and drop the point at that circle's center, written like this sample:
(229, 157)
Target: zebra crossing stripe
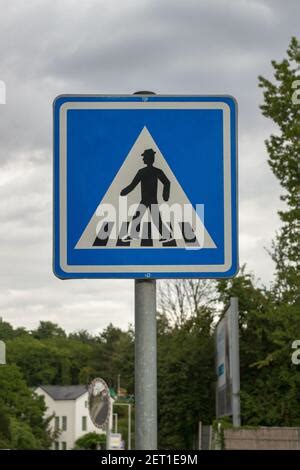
(103, 239)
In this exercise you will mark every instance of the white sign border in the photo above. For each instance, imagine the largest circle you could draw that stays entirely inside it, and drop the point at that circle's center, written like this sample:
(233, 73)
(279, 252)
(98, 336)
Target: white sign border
(182, 105)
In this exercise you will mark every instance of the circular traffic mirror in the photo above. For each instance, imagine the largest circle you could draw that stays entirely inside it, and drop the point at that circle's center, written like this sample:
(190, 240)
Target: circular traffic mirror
(99, 402)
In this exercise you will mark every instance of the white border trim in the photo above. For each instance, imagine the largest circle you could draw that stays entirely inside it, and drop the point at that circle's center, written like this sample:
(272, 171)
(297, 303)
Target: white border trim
(93, 269)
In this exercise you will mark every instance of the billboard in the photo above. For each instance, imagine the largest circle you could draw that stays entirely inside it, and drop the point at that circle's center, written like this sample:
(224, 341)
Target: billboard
(227, 364)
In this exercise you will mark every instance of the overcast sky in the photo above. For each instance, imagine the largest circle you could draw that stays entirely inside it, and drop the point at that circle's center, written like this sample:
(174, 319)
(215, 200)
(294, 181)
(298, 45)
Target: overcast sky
(120, 46)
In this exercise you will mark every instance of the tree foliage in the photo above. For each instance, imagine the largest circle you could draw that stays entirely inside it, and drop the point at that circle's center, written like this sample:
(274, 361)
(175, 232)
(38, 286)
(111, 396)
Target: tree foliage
(185, 361)
(22, 422)
(91, 441)
(280, 105)
(270, 383)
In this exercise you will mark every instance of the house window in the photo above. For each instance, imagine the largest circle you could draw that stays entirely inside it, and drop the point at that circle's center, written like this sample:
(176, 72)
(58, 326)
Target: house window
(56, 445)
(84, 423)
(56, 424)
(64, 423)
(64, 446)
(86, 404)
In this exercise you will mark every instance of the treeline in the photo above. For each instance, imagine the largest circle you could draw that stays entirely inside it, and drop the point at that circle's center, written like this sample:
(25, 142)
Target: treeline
(270, 382)
(47, 355)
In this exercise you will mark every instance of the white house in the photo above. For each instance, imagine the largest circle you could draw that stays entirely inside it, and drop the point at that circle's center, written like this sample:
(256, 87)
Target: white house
(69, 404)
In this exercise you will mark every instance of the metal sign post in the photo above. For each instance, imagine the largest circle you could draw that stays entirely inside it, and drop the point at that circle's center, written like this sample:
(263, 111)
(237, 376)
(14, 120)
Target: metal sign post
(145, 365)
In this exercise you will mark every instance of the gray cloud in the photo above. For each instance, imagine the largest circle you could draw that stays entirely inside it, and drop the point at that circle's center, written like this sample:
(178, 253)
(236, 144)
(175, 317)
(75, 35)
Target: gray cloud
(68, 46)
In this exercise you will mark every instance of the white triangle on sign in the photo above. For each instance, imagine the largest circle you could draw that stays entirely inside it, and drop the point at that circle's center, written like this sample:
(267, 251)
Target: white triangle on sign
(111, 222)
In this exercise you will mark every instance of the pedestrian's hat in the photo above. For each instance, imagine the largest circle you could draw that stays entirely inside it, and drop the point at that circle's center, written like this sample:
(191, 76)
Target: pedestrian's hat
(148, 152)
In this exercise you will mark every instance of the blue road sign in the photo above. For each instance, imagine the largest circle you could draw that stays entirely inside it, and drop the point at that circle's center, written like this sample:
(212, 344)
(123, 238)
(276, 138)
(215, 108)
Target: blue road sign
(145, 186)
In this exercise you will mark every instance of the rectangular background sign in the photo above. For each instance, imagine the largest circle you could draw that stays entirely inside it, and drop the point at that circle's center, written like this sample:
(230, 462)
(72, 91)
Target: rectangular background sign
(145, 186)
(223, 370)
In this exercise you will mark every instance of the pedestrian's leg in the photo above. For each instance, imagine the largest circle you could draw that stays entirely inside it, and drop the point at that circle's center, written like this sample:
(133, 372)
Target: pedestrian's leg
(135, 224)
(162, 228)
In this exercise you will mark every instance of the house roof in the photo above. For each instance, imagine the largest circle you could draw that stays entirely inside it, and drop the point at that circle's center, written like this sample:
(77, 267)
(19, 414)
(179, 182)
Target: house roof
(64, 392)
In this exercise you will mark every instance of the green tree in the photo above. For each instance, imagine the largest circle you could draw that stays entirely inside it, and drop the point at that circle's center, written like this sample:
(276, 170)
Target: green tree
(185, 381)
(284, 150)
(114, 355)
(21, 413)
(186, 373)
(52, 360)
(270, 383)
(41, 362)
(47, 329)
(5, 429)
(6, 331)
(91, 441)
(83, 336)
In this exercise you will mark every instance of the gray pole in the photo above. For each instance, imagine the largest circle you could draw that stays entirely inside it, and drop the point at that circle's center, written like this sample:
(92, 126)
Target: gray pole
(116, 422)
(108, 435)
(118, 386)
(200, 435)
(145, 365)
(129, 427)
(129, 421)
(235, 361)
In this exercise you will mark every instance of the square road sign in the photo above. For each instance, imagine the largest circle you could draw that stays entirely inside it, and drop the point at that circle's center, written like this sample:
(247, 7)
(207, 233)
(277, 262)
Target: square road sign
(145, 186)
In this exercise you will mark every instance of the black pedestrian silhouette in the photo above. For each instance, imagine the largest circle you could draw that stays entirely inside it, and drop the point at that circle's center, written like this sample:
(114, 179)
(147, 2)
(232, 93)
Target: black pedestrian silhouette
(148, 177)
